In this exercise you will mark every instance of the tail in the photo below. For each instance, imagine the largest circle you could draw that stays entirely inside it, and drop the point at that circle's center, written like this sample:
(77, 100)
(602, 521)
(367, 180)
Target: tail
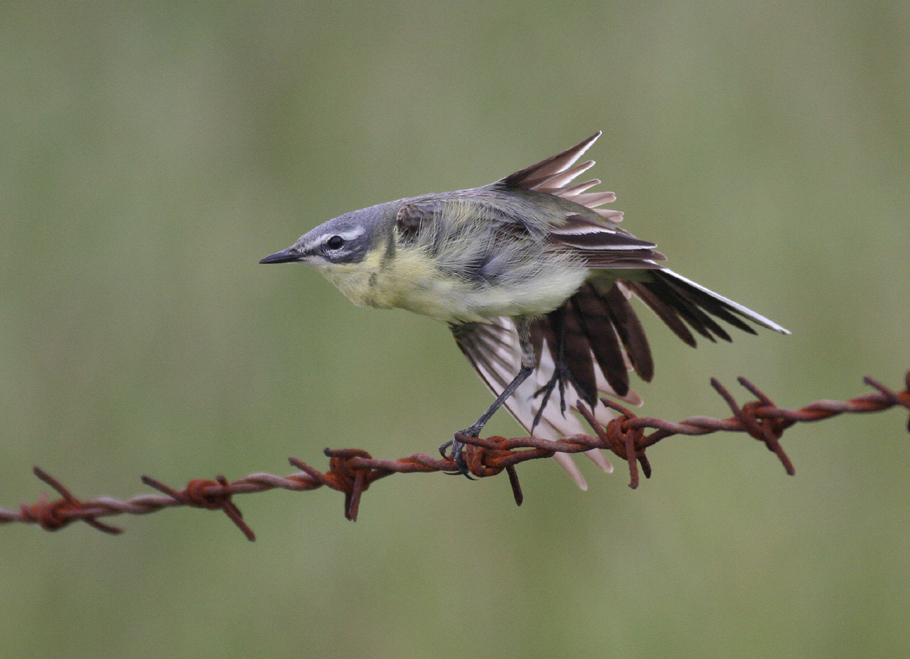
(598, 337)
(682, 304)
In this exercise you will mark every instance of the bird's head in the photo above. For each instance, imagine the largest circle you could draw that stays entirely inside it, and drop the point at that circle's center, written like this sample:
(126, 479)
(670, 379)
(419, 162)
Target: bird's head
(344, 240)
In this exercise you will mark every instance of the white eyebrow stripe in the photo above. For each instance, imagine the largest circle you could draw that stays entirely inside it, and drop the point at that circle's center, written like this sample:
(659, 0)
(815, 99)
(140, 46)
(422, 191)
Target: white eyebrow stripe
(351, 234)
(318, 241)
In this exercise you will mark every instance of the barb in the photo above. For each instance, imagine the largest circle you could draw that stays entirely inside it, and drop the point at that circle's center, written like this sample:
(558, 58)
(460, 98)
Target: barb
(352, 471)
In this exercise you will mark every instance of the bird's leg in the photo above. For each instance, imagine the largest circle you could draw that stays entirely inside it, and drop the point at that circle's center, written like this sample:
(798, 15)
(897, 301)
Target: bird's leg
(561, 371)
(528, 364)
(474, 429)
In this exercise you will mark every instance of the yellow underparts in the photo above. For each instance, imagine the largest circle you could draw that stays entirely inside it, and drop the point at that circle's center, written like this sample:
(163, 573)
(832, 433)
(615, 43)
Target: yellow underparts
(410, 280)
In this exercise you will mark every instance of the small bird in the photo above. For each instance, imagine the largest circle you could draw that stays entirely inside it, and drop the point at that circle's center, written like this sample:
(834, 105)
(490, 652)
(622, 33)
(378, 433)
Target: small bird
(534, 280)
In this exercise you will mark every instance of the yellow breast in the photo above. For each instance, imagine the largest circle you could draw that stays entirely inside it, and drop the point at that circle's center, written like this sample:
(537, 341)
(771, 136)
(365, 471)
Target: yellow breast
(411, 280)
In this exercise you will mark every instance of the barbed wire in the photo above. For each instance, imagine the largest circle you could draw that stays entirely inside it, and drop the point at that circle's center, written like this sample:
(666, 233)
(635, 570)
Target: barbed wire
(352, 471)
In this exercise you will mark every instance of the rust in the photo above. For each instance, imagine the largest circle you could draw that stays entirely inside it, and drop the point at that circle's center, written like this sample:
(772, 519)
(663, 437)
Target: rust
(352, 471)
(208, 495)
(752, 419)
(54, 515)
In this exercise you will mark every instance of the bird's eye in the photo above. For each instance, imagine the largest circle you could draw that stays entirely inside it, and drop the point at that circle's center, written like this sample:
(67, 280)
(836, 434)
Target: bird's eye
(335, 242)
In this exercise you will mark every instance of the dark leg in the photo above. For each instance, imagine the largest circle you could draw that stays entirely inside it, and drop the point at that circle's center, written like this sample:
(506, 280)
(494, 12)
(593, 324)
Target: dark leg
(528, 364)
(561, 372)
(558, 323)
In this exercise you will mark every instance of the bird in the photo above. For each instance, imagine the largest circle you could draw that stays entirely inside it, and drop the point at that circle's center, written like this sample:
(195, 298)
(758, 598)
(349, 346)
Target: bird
(534, 279)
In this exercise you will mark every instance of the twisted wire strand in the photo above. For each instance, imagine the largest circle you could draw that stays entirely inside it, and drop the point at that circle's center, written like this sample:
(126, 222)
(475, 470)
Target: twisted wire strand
(352, 471)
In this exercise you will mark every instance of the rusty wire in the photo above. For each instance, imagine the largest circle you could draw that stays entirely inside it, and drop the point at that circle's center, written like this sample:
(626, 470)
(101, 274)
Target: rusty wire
(352, 471)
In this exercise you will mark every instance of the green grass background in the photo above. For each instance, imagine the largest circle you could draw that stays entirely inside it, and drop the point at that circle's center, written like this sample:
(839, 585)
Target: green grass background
(151, 153)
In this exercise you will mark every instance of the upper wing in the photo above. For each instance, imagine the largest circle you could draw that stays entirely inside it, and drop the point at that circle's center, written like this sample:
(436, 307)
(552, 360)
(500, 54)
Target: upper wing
(679, 302)
(554, 175)
(603, 246)
(583, 228)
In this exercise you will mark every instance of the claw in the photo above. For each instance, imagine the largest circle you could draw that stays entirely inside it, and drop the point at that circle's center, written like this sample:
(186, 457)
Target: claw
(474, 431)
(560, 374)
(457, 455)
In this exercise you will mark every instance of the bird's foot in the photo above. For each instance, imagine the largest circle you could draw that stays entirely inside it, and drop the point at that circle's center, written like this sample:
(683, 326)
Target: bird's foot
(457, 455)
(560, 375)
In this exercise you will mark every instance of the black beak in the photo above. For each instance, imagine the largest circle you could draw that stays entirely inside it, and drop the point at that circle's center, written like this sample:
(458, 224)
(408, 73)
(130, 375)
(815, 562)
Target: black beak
(288, 255)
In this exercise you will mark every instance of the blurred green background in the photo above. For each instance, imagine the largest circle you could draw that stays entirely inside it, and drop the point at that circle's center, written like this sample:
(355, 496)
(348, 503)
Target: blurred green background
(151, 153)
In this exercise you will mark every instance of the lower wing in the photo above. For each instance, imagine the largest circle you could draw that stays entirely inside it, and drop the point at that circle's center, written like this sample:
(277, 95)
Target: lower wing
(598, 339)
(494, 351)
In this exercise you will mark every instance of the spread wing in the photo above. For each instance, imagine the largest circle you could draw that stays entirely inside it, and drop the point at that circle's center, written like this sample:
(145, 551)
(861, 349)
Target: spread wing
(604, 246)
(589, 231)
(602, 337)
(493, 350)
(571, 222)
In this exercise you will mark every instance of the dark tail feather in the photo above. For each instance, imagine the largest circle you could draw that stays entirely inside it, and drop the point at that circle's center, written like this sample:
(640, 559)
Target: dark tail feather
(664, 311)
(688, 306)
(594, 330)
(677, 301)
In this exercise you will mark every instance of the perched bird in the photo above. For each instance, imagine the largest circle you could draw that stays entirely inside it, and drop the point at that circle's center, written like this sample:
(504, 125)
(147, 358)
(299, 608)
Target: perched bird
(534, 280)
